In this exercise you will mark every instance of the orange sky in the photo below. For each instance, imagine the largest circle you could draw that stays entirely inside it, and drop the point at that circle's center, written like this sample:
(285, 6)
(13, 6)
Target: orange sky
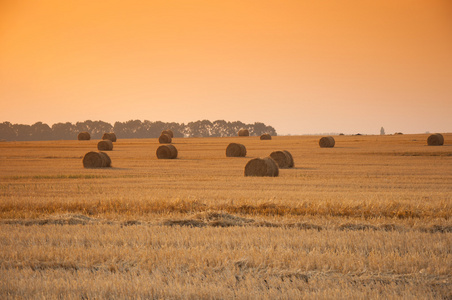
(301, 66)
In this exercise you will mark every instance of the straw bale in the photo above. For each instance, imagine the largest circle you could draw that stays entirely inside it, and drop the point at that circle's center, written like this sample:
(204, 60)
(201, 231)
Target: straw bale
(266, 136)
(166, 152)
(235, 150)
(165, 139)
(283, 158)
(105, 145)
(96, 160)
(168, 132)
(106, 159)
(327, 142)
(84, 136)
(109, 136)
(291, 162)
(435, 139)
(262, 167)
(244, 132)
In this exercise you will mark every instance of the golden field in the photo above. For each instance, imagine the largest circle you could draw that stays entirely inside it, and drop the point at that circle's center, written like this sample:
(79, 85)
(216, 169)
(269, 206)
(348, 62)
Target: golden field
(369, 218)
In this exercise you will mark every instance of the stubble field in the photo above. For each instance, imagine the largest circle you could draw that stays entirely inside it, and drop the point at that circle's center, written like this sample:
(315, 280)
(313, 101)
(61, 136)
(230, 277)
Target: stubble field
(370, 217)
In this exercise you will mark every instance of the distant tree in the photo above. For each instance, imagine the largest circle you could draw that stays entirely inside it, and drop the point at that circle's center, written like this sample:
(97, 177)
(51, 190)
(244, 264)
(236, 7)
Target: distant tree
(156, 128)
(120, 130)
(64, 131)
(23, 132)
(382, 131)
(129, 129)
(7, 131)
(219, 128)
(234, 127)
(41, 132)
(260, 128)
(178, 129)
(200, 128)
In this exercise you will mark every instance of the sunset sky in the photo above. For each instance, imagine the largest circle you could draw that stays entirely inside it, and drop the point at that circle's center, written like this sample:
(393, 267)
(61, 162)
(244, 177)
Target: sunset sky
(302, 66)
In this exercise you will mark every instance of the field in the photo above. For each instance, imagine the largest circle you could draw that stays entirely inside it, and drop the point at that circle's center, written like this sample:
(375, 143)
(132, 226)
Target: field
(369, 218)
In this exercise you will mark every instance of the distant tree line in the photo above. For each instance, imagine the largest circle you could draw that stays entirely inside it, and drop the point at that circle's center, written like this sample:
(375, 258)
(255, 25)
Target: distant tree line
(125, 130)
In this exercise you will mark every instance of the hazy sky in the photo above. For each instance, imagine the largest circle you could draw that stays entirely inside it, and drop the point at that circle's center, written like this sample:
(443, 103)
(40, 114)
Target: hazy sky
(302, 66)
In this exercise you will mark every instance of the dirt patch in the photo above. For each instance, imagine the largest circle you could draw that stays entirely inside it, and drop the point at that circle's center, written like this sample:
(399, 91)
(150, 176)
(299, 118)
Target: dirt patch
(436, 229)
(66, 219)
(213, 219)
(222, 219)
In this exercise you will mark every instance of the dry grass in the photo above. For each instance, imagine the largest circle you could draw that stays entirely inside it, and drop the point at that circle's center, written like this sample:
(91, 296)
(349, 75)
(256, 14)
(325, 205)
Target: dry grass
(110, 260)
(369, 218)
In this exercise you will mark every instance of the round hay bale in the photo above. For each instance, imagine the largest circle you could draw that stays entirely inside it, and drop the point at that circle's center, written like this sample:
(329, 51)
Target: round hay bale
(291, 162)
(84, 136)
(436, 139)
(244, 132)
(262, 167)
(327, 142)
(165, 139)
(166, 152)
(109, 136)
(105, 145)
(235, 150)
(96, 160)
(168, 132)
(266, 136)
(281, 158)
(106, 158)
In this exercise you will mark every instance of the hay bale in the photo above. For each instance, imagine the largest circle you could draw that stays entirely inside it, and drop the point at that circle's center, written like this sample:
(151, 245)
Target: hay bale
(165, 139)
(84, 136)
(266, 136)
(283, 158)
(327, 142)
(262, 167)
(109, 136)
(106, 159)
(166, 152)
(291, 162)
(244, 132)
(168, 132)
(435, 139)
(105, 145)
(96, 160)
(235, 150)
